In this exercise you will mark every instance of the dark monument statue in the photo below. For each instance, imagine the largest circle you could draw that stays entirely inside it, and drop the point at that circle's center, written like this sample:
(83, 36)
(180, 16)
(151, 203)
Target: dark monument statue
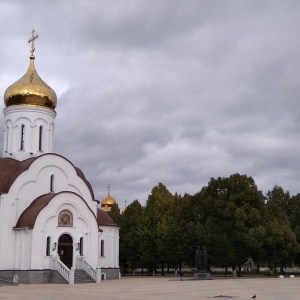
(201, 259)
(201, 264)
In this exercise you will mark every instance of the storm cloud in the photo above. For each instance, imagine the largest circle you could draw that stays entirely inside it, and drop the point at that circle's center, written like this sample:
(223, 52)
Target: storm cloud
(165, 91)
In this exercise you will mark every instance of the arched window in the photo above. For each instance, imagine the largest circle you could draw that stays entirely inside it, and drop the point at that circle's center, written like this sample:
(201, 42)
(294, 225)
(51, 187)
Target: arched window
(40, 137)
(48, 246)
(81, 247)
(7, 139)
(22, 137)
(102, 248)
(52, 183)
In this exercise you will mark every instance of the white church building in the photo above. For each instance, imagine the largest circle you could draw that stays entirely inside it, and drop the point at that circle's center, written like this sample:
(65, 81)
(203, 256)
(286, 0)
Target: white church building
(52, 228)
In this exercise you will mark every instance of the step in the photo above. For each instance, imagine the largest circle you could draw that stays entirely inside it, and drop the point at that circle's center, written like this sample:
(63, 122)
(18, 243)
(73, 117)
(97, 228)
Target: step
(81, 276)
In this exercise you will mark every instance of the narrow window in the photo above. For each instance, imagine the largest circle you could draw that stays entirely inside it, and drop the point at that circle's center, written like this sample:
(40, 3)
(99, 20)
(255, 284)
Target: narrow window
(40, 137)
(48, 246)
(22, 137)
(7, 138)
(102, 248)
(81, 247)
(52, 183)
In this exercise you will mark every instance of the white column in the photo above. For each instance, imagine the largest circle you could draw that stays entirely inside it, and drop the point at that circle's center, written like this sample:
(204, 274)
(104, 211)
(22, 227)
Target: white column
(98, 275)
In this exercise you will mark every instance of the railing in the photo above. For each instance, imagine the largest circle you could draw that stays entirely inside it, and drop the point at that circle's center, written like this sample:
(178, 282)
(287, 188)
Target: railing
(95, 274)
(62, 269)
(69, 274)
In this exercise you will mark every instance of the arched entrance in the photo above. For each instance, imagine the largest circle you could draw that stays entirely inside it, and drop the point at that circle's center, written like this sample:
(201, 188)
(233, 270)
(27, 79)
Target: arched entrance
(65, 249)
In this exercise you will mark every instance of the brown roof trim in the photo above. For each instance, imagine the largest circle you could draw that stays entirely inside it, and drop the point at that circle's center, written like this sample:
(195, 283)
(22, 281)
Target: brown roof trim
(11, 168)
(28, 217)
(81, 175)
(104, 219)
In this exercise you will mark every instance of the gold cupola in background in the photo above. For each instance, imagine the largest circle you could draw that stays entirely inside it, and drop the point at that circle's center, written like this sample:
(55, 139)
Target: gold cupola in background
(30, 89)
(108, 201)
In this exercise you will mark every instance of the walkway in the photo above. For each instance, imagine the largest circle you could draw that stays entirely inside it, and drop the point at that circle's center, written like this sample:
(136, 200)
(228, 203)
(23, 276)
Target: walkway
(157, 288)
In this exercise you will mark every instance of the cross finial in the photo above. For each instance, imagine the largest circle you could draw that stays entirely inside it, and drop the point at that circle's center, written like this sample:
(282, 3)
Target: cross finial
(108, 188)
(125, 203)
(31, 40)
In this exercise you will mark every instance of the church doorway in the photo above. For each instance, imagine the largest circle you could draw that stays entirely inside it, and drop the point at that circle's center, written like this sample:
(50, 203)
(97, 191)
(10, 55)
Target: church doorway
(65, 249)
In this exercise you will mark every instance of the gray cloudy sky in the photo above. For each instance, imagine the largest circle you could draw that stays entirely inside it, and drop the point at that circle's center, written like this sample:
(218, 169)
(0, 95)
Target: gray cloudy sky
(165, 91)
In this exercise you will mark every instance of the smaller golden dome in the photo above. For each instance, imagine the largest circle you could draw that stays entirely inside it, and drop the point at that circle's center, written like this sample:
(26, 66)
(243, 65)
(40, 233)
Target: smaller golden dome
(30, 89)
(107, 203)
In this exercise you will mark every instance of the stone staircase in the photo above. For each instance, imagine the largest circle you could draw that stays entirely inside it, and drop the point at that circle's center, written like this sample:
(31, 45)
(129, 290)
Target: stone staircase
(81, 276)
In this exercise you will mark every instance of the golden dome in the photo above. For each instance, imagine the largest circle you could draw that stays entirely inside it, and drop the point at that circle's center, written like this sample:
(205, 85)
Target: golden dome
(107, 203)
(30, 89)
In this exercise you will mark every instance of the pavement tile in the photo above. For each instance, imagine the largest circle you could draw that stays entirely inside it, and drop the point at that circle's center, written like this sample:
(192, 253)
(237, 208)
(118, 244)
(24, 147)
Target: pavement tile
(158, 287)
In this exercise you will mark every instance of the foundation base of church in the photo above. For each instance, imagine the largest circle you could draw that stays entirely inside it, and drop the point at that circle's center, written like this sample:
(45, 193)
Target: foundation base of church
(50, 276)
(110, 273)
(33, 276)
(202, 276)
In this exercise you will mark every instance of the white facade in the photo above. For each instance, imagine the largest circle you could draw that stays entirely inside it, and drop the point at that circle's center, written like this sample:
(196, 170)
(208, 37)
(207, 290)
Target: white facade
(48, 213)
(30, 228)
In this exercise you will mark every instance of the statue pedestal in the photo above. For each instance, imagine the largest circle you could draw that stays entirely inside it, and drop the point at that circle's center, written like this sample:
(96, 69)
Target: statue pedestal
(202, 275)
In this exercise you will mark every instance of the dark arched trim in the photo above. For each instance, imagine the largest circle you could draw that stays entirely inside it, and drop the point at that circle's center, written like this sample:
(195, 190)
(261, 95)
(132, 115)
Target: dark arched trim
(29, 215)
(12, 168)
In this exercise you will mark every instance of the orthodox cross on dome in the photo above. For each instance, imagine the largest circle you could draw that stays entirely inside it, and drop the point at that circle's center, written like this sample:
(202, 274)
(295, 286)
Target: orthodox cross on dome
(31, 40)
(108, 188)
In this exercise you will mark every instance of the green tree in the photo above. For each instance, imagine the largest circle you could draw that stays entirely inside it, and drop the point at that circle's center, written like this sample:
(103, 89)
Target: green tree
(294, 217)
(281, 242)
(114, 213)
(174, 231)
(279, 197)
(130, 243)
(231, 213)
(190, 228)
(154, 229)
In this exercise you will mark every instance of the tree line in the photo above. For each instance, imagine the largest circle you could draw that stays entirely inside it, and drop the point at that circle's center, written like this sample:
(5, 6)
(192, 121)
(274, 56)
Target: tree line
(229, 216)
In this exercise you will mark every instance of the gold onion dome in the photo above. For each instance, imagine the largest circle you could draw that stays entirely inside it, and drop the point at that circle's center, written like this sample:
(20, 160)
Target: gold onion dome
(108, 200)
(107, 203)
(30, 89)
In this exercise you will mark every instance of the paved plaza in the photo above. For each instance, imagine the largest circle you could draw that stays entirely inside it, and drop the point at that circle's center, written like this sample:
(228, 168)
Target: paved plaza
(161, 288)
